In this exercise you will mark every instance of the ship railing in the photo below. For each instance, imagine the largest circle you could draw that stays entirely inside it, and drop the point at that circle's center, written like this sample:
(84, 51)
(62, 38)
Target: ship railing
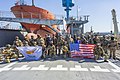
(78, 18)
(23, 15)
(40, 16)
(12, 27)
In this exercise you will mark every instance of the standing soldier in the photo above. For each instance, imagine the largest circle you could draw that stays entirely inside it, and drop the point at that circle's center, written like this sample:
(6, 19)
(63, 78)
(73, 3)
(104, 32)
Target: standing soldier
(113, 47)
(60, 44)
(26, 41)
(17, 42)
(55, 42)
(99, 52)
(32, 40)
(104, 44)
(52, 50)
(39, 40)
(96, 39)
(43, 50)
(65, 50)
(48, 40)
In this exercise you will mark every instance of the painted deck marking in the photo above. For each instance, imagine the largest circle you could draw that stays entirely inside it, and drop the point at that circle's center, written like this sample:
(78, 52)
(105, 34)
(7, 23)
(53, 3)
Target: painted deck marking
(59, 68)
(98, 69)
(6, 68)
(41, 67)
(24, 67)
(78, 68)
(117, 69)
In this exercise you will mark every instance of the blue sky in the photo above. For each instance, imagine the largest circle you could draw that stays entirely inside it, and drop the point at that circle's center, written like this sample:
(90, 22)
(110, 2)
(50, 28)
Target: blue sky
(99, 11)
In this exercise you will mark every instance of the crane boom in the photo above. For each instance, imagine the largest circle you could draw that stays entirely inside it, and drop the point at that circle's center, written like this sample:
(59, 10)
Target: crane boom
(116, 32)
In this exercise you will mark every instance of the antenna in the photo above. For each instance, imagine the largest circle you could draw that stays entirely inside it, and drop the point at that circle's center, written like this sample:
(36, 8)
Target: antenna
(78, 9)
(33, 3)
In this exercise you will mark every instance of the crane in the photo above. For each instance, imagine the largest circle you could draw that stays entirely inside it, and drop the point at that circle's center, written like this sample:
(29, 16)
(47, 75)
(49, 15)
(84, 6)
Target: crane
(116, 32)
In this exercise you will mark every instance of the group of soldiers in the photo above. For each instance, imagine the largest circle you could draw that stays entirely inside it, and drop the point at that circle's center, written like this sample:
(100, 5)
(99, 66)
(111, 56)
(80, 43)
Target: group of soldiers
(106, 47)
(58, 45)
(51, 47)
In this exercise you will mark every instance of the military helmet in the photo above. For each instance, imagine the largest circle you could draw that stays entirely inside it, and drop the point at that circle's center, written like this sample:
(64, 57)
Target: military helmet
(8, 45)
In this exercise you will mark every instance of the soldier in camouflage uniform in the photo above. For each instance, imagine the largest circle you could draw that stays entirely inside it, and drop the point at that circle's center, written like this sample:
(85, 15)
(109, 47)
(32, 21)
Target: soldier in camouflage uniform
(113, 47)
(104, 44)
(17, 42)
(60, 44)
(16, 51)
(39, 40)
(35, 44)
(26, 41)
(52, 50)
(43, 50)
(32, 40)
(96, 39)
(99, 52)
(65, 50)
(1, 55)
(9, 54)
(55, 42)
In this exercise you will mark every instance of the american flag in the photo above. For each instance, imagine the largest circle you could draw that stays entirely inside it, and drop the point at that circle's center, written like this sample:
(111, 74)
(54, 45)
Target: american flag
(85, 50)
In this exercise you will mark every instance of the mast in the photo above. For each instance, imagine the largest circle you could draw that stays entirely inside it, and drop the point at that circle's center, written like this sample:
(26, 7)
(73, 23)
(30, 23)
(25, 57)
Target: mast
(33, 3)
(78, 9)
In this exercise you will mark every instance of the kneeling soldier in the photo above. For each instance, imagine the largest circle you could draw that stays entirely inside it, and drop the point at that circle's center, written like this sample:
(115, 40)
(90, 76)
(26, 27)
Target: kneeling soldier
(99, 52)
(9, 54)
(1, 55)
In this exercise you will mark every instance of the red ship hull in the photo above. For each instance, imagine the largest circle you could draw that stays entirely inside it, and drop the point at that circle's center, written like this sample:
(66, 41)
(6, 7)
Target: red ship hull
(25, 11)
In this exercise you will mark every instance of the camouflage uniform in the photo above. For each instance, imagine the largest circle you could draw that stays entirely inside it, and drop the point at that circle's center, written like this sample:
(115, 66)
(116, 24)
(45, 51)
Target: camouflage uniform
(35, 44)
(17, 42)
(16, 51)
(99, 52)
(113, 47)
(52, 49)
(40, 40)
(60, 44)
(104, 44)
(26, 42)
(96, 39)
(9, 54)
(43, 50)
(55, 42)
(1, 55)
(65, 51)
(32, 40)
